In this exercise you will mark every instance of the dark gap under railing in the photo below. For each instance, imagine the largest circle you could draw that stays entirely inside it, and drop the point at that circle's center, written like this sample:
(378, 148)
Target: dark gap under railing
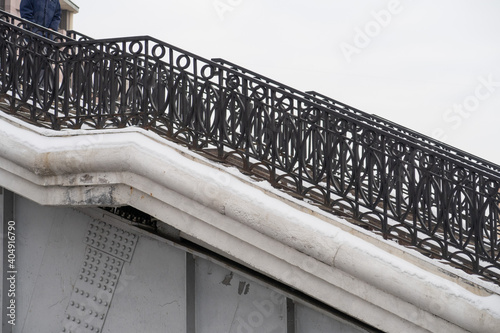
(384, 177)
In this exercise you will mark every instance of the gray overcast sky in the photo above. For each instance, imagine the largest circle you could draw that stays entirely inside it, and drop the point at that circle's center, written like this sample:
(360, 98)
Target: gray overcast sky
(430, 65)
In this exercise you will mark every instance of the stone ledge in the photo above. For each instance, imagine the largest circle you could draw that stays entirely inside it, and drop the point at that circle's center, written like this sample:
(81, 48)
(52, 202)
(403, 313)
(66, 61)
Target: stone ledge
(242, 220)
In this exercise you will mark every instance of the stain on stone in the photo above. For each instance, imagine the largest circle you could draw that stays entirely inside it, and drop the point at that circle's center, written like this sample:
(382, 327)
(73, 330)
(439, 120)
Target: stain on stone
(103, 180)
(243, 288)
(91, 196)
(227, 279)
(86, 178)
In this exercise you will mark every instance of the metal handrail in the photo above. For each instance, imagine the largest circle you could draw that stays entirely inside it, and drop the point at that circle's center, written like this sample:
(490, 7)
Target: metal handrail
(375, 120)
(391, 180)
(317, 97)
(73, 34)
(28, 25)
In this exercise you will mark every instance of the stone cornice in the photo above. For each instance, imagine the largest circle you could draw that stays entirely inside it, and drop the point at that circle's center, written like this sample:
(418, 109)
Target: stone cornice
(243, 220)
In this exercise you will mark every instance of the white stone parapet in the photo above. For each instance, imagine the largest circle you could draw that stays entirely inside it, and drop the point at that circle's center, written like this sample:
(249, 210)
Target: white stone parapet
(378, 282)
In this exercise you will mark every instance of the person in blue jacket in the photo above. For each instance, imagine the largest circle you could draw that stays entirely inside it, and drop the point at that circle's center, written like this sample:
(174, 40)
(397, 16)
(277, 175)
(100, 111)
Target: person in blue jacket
(46, 13)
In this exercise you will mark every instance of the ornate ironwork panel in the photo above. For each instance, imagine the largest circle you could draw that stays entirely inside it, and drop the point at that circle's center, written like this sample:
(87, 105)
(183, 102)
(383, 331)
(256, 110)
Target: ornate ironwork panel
(401, 184)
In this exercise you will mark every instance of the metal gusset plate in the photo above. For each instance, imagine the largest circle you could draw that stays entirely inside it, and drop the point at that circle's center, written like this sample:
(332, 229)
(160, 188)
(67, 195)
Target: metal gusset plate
(108, 248)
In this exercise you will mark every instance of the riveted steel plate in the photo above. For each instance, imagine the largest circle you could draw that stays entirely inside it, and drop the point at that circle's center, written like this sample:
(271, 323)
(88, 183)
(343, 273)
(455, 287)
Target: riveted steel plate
(112, 240)
(108, 248)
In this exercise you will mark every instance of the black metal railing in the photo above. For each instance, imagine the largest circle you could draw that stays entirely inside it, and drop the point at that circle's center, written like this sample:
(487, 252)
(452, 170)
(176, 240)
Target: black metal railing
(33, 27)
(374, 120)
(75, 35)
(427, 195)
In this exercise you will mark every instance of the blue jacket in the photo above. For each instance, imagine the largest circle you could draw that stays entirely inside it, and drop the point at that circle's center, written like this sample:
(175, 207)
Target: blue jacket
(43, 12)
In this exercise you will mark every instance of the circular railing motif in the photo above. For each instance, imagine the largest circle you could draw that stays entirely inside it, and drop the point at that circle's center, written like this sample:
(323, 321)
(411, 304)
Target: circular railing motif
(411, 189)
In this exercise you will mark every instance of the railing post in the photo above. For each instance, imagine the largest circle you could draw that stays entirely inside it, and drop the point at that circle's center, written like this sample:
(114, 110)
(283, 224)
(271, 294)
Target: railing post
(220, 116)
(356, 173)
(477, 222)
